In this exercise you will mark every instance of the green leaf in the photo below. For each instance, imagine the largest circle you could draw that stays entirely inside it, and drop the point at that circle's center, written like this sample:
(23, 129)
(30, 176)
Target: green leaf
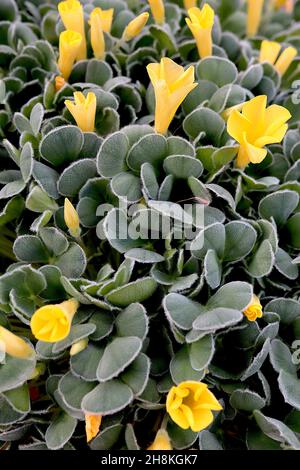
(276, 430)
(137, 374)
(278, 205)
(201, 352)
(62, 145)
(112, 154)
(107, 438)
(30, 249)
(281, 357)
(136, 291)
(117, 356)
(246, 400)
(218, 70)
(132, 321)
(217, 319)
(75, 176)
(151, 148)
(234, 295)
(107, 398)
(289, 385)
(263, 261)
(208, 441)
(240, 240)
(212, 269)
(60, 431)
(181, 311)
(19, 398)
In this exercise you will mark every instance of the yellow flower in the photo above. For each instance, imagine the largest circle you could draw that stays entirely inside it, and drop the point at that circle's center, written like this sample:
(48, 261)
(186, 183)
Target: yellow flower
(135, 26)
(171, 86)
(254, 14)
(76, 348)
(201, 23)
(92, 425)
(13, 345)
(254, 310)
(71, 13)
(69, 44)
(269, 52)
(190, 404)
(52, 323)
(189, 4)
(71, 218)
(83, 110)
(255, 127)
(161, 441)
(97, 36)
(106, 17)
(158, 10)
(59, 82)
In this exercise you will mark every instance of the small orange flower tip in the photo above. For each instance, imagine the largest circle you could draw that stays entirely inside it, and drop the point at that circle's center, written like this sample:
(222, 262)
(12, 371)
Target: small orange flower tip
(201, 22)
(190, 405)
(14, 345)
(52, 323)
(161, 441)
(83, 110)
(92, 426)
(254, 309)
(158, 10)
(135, 27)
(171, 85)
(255, 127)
(59, 82)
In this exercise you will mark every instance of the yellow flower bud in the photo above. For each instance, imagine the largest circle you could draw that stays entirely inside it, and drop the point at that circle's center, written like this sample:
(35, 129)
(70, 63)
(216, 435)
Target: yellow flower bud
(97, 36)
(71, 13)
(161, 441)
(59, 82)
(254, 310)
(52, 323)
(92, 425)
(83, 110)
(158, 10)
(135, 26)
(78, 347)
(254, 14)
(270, 52)
(190, 404)
(14, 346)
(201, 23)
(171, 86)
(69, 44)
(106, 17)
(255, 127)
(71, 219)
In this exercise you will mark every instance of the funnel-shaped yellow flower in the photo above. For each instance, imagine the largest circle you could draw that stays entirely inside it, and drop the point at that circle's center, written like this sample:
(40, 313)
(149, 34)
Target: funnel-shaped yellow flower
(254, 310)
(52, 323)
(135, 26)
(83, 110)
(97, 36)
(106, 17)
(59, 82)
(157, 10)
(92, 425)
(255, 127)
(161, 441)
(76, 348)
(69, 45)
(13, 345)
(171, 86)
(254, 14)
(189, 4)
(71, 218)
(71, 13)
(201, 23)
(190, 404)
(269, 52)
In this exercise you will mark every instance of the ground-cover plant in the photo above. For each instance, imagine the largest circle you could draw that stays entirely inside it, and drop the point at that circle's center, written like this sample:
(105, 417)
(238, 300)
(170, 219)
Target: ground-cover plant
(149, 224)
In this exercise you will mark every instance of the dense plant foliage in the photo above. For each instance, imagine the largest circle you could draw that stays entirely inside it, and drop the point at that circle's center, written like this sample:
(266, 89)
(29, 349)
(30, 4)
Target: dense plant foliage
(148, 314)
